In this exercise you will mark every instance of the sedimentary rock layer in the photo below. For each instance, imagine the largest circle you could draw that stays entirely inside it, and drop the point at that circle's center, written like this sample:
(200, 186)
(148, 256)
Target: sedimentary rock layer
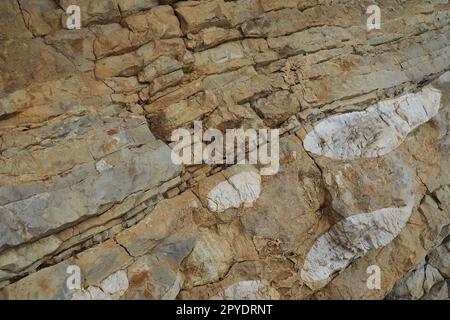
(86, 178)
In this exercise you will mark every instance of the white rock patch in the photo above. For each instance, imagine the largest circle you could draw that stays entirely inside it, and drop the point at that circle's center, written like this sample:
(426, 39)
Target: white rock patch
(111, 288)
(102, 166)
(91, 293)
(248, 290)
(248, 184)
(350, 239)
(222, 197)
(81, 295)
(373, 132)
(116, 284)
(241, 188)
(97, 294)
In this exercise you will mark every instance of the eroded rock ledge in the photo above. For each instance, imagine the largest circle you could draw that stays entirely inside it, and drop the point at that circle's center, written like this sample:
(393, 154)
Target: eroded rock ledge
(86, 177)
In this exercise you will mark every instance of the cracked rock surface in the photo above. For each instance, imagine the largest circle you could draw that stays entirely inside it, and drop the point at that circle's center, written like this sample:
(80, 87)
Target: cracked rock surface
(86, 177)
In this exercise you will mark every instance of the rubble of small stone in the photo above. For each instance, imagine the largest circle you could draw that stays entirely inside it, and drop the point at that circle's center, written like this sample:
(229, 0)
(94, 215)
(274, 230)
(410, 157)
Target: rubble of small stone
(86, 177)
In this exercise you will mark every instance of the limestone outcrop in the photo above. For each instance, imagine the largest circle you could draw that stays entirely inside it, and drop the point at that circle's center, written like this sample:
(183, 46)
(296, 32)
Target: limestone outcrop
(92, 206)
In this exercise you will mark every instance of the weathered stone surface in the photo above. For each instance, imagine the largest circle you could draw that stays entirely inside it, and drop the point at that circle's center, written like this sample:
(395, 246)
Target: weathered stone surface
(157, 275)
(233, 188)
(131, 63)
(376, 131)
(99, 12)
(350, 239)
(269, 108)
(248, 290)
(167, 216)
(87, 181)
(48, 283)
(12, 24)
(200, 15)
(112, 288)
(77, 199)
(41, 17)
(19, 57)
(78, 45)
(216, 249)
(408, 250)
(15, 260)
(116, 284)
(157, 23)
(391, 184)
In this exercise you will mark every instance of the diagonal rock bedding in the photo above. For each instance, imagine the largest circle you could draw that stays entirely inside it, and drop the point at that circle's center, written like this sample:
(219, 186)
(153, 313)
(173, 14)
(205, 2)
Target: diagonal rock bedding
(86, 177)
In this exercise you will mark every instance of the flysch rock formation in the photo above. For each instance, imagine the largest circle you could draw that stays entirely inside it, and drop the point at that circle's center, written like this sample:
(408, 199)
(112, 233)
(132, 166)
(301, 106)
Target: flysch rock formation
(86, 178)
(349, 239)
(376, 131)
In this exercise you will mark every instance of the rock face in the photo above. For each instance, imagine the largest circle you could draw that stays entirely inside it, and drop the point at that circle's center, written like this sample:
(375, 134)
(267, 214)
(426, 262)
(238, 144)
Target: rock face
(92, 206)
(374, 132)
(350, 239)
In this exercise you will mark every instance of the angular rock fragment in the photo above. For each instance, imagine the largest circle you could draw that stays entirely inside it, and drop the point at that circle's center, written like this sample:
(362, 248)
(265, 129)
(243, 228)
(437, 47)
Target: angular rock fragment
(42, 16)
(198, 15)
(15, 260)
(112, 288)
(157, 275)
(100, 11)
(48, 283)
(81, 169)
(99, 262)
(167, 216)
(116, 284)
(216, 249)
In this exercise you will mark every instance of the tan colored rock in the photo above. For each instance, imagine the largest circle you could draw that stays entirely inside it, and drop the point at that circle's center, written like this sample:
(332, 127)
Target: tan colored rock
(20, 57)
(350, 239)
(12, 25)
(161, 66)
(99, 12)
(293, 196)
(48, 283)
(248, 290)
(157, 275)
(158, 224)
(181, 113)
(380, 129)
(86, 177)
(270, 111)
(133, 6)
(234, 116)
(216, 249)
(390, 183)
(75, 159)
(129, 64)
(99, 262)
(76, 44)
(16, 260)
(198, 15)
(224, 57)
(42, 17)
(158, 23)
(211, 37)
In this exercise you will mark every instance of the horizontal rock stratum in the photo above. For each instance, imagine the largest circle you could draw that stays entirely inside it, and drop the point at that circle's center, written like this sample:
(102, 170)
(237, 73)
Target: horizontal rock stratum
(88, 187)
